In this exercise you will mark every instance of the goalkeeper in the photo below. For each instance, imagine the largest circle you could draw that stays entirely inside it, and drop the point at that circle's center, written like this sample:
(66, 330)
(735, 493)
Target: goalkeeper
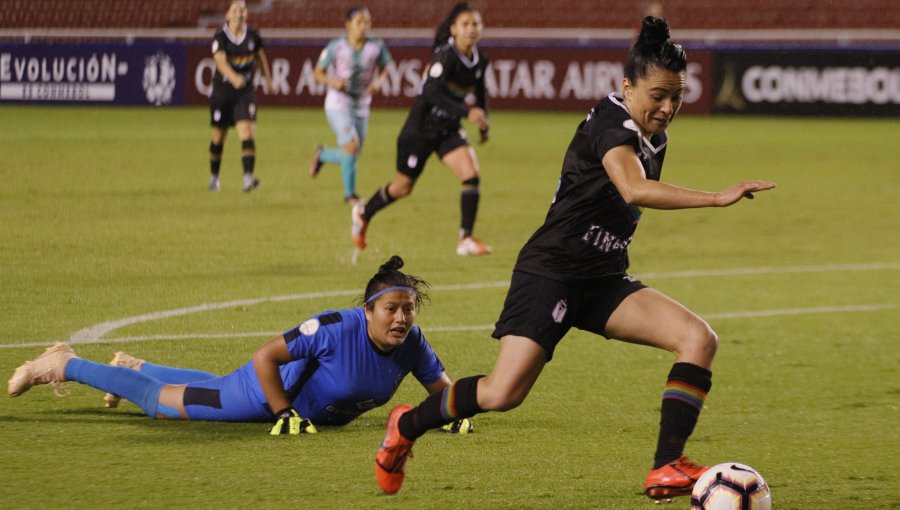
(326, 371)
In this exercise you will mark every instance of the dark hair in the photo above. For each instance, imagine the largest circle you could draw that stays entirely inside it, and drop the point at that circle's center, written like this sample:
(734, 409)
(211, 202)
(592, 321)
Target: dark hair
(653, 49)
(354, 11)
(442, 34)
(389, 275)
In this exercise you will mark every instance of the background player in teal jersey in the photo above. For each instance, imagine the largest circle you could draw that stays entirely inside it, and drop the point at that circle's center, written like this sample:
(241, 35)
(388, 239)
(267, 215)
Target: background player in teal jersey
(329, 369)
(353, 68)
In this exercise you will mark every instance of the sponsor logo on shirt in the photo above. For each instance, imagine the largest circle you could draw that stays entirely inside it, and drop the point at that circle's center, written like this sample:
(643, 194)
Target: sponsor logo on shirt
(604, 240)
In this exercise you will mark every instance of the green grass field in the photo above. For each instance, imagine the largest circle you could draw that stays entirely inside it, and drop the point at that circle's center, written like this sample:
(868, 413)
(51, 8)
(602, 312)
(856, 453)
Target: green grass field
(106, 225)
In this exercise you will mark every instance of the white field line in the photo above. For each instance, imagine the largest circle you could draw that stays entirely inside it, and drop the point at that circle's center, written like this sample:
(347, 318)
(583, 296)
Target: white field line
(487, 327)
(95, 333)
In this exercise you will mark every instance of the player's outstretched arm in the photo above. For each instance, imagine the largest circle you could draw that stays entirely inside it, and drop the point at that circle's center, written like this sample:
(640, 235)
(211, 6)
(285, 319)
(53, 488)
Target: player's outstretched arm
(744, 189)
(627, 175)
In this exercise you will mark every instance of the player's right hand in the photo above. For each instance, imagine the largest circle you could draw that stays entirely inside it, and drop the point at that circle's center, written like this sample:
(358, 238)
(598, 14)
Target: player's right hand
(288, 421)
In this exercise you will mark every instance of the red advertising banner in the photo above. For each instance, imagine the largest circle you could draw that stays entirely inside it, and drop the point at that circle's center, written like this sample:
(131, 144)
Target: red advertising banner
(530, 78)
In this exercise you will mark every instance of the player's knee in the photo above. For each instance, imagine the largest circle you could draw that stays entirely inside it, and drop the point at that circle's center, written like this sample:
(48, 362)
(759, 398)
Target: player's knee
(494, 397)
(400, 189)
(352, 147)
(471, 183)
(701, 341)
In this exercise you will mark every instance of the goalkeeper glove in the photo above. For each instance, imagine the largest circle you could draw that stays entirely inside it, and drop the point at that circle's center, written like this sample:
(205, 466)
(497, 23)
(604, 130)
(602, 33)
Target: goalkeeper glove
(288, 421)
(461, 426)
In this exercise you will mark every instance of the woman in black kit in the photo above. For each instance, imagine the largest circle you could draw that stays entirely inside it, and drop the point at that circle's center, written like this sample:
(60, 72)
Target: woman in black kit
(235, 50)
(573, 273)
(453, 89)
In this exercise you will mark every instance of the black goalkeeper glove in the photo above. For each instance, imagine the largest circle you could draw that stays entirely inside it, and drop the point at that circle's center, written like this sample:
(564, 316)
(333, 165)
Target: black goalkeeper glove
(288, 421)
(461, 426)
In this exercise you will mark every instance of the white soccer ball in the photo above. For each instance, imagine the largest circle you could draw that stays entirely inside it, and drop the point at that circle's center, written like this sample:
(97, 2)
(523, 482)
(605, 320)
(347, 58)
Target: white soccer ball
(731, 486)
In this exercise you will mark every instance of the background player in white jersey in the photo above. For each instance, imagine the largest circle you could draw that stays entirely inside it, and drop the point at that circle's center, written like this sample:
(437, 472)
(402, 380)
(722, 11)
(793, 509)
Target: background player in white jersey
(236, 49)
(328, 370)
(353, 68)
(453, 90)
(572, 273)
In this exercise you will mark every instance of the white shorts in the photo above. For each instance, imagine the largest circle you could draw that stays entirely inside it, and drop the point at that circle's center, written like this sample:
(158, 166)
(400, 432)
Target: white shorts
(347, 127)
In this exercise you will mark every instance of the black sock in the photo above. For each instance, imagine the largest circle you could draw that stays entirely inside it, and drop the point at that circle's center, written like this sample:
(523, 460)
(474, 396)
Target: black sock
(686, 389)
(215, 158)
(468, 204)
(459, 400)
(248, 155)
(379, 201)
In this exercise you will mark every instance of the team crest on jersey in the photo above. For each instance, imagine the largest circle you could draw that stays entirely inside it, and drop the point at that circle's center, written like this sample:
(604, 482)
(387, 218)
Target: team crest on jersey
(436, 70)
(559, 312)
(310, 327)
(250, 46)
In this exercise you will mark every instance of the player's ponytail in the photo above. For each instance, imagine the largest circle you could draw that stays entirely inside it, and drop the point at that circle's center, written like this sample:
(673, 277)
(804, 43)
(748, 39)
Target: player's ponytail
(442, 34)
(390, 276)
(653, 49)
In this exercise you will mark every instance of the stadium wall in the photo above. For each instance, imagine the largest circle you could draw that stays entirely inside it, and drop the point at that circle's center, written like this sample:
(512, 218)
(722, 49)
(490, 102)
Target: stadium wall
(533, 74)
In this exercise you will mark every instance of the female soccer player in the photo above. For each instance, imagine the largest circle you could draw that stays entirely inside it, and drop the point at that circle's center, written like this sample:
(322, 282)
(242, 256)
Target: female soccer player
(326, 371)
(353, 68)
(454, 77)
(572, 273)
(235, 49)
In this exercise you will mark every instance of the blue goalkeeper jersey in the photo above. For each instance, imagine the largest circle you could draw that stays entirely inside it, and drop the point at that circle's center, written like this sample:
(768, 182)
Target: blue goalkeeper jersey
(338, 374)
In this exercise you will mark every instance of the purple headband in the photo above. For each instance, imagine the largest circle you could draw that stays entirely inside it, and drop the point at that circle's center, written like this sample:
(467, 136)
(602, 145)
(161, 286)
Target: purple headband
(381, 292)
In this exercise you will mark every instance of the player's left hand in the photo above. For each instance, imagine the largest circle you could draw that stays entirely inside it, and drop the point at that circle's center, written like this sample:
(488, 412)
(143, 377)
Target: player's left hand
(463, 426)
(484, 135)
(288, 421)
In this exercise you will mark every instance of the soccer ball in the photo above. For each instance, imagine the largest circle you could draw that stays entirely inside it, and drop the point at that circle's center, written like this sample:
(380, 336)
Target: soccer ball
(731, 486)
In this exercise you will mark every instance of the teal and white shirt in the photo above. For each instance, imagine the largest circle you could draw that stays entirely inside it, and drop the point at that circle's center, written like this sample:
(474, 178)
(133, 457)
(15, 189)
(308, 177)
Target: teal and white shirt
(358, 67)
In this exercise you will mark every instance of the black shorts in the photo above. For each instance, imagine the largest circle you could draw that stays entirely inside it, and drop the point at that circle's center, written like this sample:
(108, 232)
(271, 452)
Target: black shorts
(227, 106)
(413, 149)
(544, 310)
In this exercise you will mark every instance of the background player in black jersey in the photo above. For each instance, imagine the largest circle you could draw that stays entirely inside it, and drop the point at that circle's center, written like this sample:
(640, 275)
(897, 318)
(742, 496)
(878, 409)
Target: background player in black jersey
(235, 49)
(453, 89)
(572, 273)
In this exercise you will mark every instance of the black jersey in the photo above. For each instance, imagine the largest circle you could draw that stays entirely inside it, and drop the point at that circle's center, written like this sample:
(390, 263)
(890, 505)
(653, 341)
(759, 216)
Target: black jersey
(589, 225)
(451, 80)
(240, 53)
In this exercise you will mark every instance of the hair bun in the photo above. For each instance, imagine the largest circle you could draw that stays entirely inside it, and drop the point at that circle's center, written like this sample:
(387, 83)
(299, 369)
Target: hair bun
(394, 264)
(654, 33)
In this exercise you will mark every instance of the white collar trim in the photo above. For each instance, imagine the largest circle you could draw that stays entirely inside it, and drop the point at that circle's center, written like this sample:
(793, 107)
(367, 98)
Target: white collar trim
(234, 38)
(470, 63)
(620, 102)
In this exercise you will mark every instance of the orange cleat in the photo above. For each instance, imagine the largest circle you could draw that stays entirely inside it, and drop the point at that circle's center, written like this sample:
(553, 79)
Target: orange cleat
(390, 461)
(469, 246)
(677, 478)
(358, 230)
